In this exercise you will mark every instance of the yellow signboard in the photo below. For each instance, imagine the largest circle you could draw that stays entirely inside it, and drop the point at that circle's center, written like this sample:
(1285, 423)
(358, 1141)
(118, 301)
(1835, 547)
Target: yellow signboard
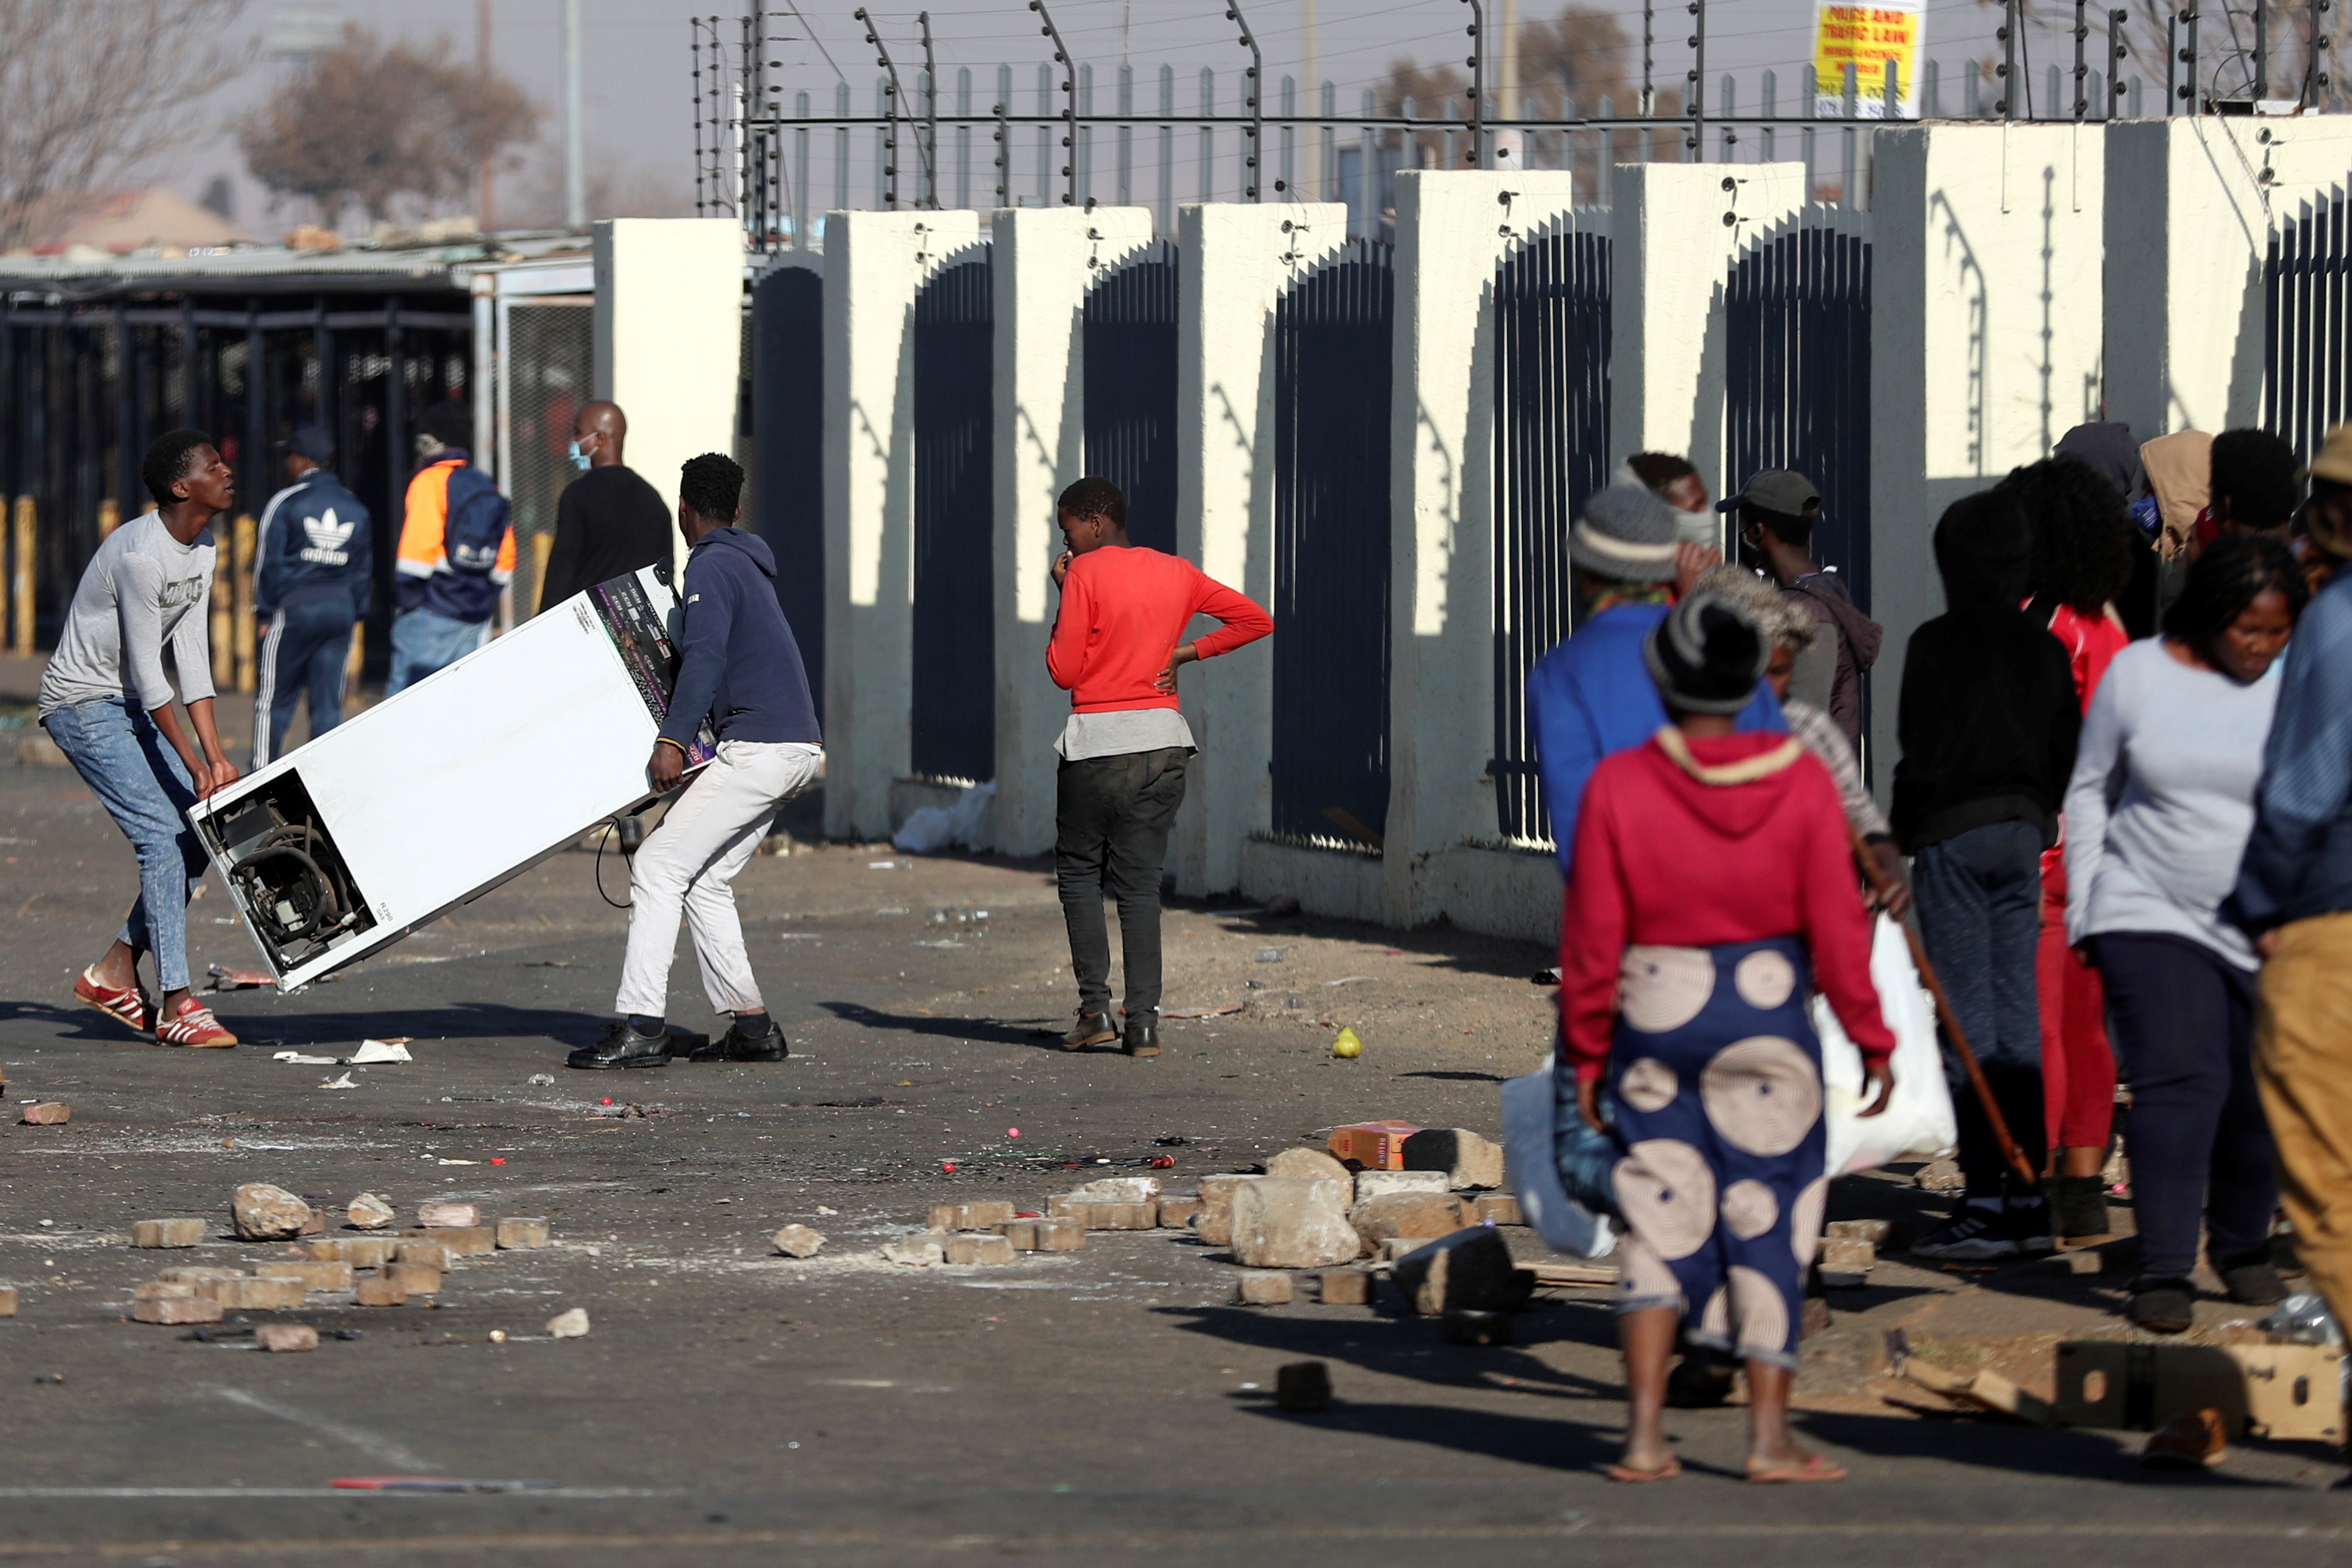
(1866, 38)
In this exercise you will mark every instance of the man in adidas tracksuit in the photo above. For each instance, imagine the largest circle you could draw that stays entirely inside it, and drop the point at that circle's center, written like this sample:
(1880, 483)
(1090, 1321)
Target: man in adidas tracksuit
(311, 582)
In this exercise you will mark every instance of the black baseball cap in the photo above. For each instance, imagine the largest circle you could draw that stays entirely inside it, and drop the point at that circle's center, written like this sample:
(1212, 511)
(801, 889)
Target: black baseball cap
(1782, 490)
(308, 441)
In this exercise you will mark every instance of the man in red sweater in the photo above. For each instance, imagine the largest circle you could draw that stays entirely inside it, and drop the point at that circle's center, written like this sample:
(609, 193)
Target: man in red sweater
(1115, 650)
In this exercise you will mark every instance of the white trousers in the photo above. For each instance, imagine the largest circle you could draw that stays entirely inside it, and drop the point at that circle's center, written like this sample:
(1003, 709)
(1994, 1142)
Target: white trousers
(690, 862)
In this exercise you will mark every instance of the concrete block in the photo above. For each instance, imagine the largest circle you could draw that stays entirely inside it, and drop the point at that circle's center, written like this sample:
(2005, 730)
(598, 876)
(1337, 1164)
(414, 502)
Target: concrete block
(313, 1275)
(1177, 1209)
(569, 1324)
(1409, 1214)
(422, 1254)
(522, 1235)
(177, 1310)
(1060, 1235)
(1499, 1208)
(1346, 1287)
(979, 1246)
(1142, 1216)
(1311, 1164)
(970, 1216)
(1470, 1270)
(1214, 1223)
(1370, 1185)
(1845, 1262)
(1290, 1223)
(7, 1301)
(798, 1241)
(918, 1251)
(368, 1212)
(1111, 1189)
(166, 1232)
(1022, 1234)
(1877, 1232)
(1467, 1159)
(460, 1240)
(380, 1291)
(365, 1251)
(1465, 1327)
(47, 1113)
(256, 1295)
(316, 1225)
(163, 1289)
(282, 1338)
(1260, 1288)
(448, 1216)
(200, 1272)
(1302, 1387)
(414, 1278)
(267, 1213)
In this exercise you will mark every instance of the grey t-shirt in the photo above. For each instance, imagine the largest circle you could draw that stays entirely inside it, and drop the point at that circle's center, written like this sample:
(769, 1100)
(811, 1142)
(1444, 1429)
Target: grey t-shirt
(142, 589)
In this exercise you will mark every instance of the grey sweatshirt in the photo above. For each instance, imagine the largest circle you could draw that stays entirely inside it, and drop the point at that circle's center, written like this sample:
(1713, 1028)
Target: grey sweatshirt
(142, 590)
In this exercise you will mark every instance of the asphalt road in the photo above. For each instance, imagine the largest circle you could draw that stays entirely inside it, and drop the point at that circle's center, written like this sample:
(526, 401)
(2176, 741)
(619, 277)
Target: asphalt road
(731, 1405)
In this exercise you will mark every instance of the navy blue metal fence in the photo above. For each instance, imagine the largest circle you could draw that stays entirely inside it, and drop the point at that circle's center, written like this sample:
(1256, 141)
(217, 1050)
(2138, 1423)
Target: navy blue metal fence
(1130, 413)
(1551, 439)
(1330, 757)
(2305, 388)
(953, 706)
(1798, 378)
(788, 451)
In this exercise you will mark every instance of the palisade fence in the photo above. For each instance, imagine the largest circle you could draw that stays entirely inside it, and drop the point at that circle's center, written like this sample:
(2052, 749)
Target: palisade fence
(1551, 434)
(1058, 133)
(2307, 313)
(953, 706)
(787, 373)
(1333, 332)
(1129, 354)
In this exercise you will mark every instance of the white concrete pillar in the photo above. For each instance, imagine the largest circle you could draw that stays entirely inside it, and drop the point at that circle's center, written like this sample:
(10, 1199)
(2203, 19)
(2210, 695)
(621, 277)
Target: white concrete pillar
(1986, 320)
(1671, 258)
(1045, 258)
(669, 339)
(875, 263)
(1233, 261)
(2191, 205)
(1452, 231)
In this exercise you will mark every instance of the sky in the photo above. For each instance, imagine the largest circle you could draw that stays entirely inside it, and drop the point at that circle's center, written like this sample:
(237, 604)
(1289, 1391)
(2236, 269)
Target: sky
(637, 90)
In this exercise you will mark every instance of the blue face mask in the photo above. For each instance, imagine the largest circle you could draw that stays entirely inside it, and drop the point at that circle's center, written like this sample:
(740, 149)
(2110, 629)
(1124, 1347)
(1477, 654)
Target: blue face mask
(579, 458)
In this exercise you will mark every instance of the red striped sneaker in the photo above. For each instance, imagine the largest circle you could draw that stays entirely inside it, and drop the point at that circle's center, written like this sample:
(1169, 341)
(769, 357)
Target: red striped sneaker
(193, 1025)
(124, 1004)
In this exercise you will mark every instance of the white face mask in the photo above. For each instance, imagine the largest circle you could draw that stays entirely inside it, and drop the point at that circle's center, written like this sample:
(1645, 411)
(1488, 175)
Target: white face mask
(579, 458)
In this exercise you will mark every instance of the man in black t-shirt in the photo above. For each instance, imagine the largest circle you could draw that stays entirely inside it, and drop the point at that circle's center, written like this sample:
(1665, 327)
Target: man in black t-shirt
(609, 521)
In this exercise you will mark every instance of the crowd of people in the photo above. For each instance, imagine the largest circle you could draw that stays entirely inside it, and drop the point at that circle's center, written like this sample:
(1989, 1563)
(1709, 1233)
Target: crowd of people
(2120, 814)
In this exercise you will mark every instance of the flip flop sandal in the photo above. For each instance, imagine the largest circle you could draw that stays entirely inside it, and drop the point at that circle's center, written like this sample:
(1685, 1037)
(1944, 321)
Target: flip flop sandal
(126, 1006)
(1634, 1475)
(1814, 1468)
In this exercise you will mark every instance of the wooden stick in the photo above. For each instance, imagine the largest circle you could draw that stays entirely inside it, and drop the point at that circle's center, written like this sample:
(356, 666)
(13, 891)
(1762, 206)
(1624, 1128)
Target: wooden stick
(1960, 1047)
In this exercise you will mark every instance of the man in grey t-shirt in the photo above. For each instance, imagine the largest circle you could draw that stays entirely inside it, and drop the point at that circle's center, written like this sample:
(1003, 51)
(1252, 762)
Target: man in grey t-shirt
(107, 703)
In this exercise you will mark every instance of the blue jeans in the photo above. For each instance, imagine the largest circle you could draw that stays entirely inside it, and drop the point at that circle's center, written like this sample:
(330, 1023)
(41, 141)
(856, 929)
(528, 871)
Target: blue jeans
(1980, 901)
(424, 642)
(305, 650)
(140, 781)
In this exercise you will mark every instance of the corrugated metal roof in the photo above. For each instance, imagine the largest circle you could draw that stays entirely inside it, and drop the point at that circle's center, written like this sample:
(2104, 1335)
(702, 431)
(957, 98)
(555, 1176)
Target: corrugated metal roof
(271, 269)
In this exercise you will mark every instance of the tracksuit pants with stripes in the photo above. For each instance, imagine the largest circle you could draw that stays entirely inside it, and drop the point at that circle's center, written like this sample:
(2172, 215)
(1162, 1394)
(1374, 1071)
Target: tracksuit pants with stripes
(303, 649)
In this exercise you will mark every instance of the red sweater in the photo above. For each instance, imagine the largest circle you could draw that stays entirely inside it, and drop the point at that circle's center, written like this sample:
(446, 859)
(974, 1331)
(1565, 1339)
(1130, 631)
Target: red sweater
(1664, 858)
(1124, 610)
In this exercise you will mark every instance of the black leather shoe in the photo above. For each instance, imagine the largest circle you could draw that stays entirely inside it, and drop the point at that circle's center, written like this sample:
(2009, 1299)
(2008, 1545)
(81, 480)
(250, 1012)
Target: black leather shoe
(2162, 1306)
(1092, 1029)
(739, 1045)
(1142, 1034)
(2253, 1282)
(622, 1046)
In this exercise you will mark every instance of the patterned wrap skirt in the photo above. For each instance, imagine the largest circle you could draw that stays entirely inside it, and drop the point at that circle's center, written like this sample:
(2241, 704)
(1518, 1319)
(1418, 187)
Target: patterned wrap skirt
(1716, 1075)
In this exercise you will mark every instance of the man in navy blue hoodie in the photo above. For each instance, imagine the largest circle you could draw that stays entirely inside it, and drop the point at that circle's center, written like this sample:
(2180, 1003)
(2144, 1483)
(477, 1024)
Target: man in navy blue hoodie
(740, 668)
(311, 584)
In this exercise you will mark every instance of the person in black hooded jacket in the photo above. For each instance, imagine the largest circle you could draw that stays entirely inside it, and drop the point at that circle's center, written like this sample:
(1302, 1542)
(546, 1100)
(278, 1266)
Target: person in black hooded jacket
(1988, 726)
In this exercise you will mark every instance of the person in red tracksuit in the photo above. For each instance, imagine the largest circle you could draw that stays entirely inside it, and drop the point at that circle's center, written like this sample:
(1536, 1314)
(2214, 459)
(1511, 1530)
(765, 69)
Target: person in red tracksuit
(1124, 751)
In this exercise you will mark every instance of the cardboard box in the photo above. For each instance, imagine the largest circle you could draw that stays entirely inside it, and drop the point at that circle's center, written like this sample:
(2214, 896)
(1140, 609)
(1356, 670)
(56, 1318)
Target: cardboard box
(1371, 1145)
(2286, 1392)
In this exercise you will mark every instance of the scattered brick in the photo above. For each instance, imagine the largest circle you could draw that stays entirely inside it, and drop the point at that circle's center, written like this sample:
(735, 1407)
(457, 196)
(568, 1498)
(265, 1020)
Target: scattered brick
(1109, 1189)
(1144, 1216)
(163, 1289)
(166, 1232)
(256, 1295)
(314, 1276)
(47, 1113)
(415, 1278)
(7, 1301)
(921, 1249)
(1305, 1165)
(798, 1241)
(365, 1251)
(1177, 1209)
(380, 1291)
(1346, 1287)
(177, 1310)
(424, 1254)
(1057, 1235)
(316, 1225)
(1370, 1185)
(1292, 1224)
(521, 1235)
(1214, 1223)
(979, 1246)
(1467, 1159)
(201, 1272)
(449, 1216)
(1022, 1234)
(285, 1337)
(970, 1216)
(368, 1212)
(1877, 1232)
(1499, 1208)
(571, 1324)
(1262, 1287)
(267, 1213)
(1845, 1262)
(1302, 1387)
(1409, 1214)
(1470, 1270)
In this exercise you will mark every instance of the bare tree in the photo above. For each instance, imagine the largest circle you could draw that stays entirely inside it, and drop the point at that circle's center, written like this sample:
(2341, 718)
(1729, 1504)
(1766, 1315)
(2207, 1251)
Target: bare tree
(93, 94)
(2225, 65)
(370, 123)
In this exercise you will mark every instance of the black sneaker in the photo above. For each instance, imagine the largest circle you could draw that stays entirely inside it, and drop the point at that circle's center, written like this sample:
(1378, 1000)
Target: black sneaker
(2162, 1306)
(2029, 1226)
(739, 1045)
(2253, 1284)
(622, 1046)
(1972, 1235)
(1142, 1034)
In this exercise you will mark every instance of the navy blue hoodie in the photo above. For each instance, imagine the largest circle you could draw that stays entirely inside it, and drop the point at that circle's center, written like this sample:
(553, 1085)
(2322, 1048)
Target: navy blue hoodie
(739, 662)
(315, 543)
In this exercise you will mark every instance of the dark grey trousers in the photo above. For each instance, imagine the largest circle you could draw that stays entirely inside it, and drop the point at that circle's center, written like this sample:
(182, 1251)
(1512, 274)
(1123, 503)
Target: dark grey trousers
(1111, 820)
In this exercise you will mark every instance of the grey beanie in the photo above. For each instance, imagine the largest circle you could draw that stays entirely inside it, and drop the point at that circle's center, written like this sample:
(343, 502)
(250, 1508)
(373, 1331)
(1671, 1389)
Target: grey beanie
(1626, 533)
(1707, 655)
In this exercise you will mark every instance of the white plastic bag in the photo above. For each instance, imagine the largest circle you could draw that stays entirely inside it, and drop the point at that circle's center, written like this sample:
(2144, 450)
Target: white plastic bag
(1918, 1120)
(930, 829)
